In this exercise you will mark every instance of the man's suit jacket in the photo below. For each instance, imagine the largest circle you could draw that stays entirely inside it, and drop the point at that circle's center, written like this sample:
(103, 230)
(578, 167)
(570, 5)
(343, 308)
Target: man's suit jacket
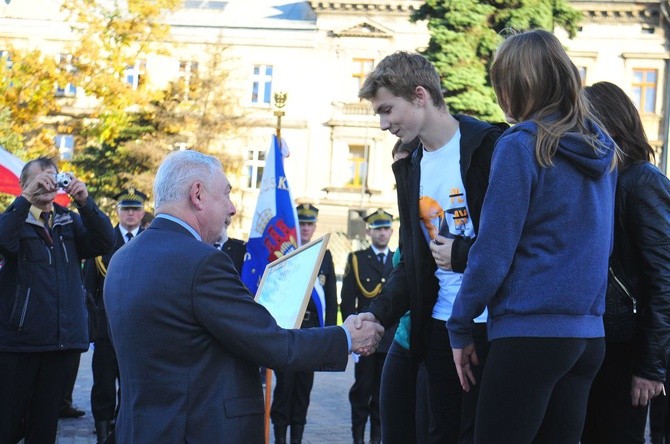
(371, 272)
(94, 282)
(189, 339)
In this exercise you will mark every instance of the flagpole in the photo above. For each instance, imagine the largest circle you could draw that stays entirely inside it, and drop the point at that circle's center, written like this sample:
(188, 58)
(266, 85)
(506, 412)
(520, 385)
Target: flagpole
(280, 102)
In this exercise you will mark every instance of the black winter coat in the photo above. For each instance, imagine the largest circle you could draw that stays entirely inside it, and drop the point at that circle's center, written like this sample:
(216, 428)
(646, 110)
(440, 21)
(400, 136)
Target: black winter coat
(42, 304)
(638, 294)
(94, 281)
(412, 284)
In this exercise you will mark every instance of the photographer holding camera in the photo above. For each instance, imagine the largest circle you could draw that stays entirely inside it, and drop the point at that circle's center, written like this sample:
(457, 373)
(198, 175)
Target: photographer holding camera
(43, 325)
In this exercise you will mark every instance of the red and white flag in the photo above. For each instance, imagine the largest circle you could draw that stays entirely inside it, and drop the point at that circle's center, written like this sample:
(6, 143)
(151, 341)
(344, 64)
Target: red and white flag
(10, 171)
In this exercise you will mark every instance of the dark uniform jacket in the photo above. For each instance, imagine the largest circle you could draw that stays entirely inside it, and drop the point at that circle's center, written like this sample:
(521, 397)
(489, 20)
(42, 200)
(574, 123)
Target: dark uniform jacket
(236, 249)
(371, 273)
(189, 339)
(413, 285)
(93, 284)
(328, 280)
(638, 294)
(42, 303)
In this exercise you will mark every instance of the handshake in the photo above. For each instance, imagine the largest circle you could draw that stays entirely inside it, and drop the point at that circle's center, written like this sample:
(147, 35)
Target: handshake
(365, 332)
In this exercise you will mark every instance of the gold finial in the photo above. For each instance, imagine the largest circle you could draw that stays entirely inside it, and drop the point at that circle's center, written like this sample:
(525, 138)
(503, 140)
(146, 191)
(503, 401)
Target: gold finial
(280, 99)
(280, 102)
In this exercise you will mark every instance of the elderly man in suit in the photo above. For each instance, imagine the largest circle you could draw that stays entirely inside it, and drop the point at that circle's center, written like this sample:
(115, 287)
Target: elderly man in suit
(130, 210)
(188, 335)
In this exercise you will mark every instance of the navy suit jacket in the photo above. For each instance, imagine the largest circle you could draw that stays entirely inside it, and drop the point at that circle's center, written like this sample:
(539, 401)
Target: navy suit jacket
(189, 339)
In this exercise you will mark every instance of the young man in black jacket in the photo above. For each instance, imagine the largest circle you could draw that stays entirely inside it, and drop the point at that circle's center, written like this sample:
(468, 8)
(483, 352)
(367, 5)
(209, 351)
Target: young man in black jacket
(441, 189)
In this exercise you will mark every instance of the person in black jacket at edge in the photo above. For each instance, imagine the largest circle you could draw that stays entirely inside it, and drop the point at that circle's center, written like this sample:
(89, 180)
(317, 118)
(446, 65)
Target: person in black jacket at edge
(292, 390)
(43, 324)
(637, 304)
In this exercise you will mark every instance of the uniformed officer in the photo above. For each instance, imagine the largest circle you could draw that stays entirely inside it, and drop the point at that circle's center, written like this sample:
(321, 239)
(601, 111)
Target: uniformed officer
(292, 390)
(130, 210)
(364, 276)
(236, 249)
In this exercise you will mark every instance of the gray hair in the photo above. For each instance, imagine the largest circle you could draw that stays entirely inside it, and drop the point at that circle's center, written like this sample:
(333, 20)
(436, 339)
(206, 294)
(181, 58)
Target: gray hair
(179, 171)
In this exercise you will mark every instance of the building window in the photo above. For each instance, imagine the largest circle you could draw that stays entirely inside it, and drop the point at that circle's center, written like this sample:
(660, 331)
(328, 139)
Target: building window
(357, 166)
(359, 71)
(644, 89)
(135, 73)
(65, 65)
(261, 90)
(65, 145)
(254, 164)
(188, 75)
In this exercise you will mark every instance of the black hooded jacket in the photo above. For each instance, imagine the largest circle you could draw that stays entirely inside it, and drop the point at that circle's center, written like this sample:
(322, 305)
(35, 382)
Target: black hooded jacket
(413, 285)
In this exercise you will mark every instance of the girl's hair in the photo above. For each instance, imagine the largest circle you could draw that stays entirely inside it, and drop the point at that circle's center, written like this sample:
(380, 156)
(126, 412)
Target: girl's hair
(534, 79)
(622, 121)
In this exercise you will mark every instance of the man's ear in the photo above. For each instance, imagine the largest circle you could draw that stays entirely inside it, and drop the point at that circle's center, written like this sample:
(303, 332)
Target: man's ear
(196, 195)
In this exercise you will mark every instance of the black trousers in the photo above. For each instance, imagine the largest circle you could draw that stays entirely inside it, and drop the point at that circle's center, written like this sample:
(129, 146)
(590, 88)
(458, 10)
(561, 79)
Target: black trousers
(403, 403)
(72, 372)
(659, 418)
(610, 415)
(105, 374)
(31, 394)
(535, 390)
(364, 395)
(291, 398)
(451, 410)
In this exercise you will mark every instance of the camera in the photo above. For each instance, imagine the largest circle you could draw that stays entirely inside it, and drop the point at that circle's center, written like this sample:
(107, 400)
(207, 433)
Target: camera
(63, 180)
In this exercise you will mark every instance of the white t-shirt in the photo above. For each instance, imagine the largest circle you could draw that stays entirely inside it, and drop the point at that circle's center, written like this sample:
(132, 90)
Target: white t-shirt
(443, 210)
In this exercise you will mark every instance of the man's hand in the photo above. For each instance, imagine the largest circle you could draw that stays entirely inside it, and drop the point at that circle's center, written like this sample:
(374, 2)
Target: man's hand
(44, 183)
(465, 358)
(365, 332)
(441, 249)
(642, 390)
(77, 189)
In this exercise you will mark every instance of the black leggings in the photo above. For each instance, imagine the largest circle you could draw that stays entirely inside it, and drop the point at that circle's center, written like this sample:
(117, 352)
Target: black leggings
(535, 390)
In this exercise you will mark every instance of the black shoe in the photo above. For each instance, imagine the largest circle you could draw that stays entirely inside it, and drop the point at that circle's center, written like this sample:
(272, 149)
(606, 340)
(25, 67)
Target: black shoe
(71, 412)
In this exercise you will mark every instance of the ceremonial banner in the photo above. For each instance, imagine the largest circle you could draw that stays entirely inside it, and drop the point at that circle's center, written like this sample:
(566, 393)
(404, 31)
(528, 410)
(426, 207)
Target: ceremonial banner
(10, 171)
(273, 231)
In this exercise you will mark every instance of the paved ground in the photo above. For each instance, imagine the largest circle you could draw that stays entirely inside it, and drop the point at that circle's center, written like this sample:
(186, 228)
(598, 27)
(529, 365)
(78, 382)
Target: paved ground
(328, 419)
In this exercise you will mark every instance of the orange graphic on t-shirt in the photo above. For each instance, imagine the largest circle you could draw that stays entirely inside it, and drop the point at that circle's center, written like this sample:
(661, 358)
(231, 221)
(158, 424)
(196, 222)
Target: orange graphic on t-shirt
(429, 210)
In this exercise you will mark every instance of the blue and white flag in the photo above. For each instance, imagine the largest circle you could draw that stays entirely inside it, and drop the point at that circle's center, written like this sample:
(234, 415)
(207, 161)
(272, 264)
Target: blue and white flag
(274, 230)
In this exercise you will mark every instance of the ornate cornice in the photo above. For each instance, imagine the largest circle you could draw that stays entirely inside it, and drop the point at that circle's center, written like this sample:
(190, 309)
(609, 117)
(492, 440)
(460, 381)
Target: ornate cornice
(365, 7)
(619, 12)
(364, 29)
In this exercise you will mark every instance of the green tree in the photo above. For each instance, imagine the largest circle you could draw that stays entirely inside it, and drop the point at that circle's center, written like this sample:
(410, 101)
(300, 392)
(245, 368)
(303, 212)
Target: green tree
(464, 35)
(134, 127)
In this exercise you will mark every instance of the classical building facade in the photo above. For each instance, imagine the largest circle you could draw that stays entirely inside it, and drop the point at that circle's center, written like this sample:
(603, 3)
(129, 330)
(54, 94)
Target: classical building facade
(626, 43)
(318, 53)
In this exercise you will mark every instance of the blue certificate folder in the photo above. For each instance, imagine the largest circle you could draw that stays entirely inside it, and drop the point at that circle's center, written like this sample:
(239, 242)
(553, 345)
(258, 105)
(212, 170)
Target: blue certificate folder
(287, 283)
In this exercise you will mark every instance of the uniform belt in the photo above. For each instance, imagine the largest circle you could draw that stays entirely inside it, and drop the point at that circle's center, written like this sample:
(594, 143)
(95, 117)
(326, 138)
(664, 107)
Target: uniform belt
(308, 315)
